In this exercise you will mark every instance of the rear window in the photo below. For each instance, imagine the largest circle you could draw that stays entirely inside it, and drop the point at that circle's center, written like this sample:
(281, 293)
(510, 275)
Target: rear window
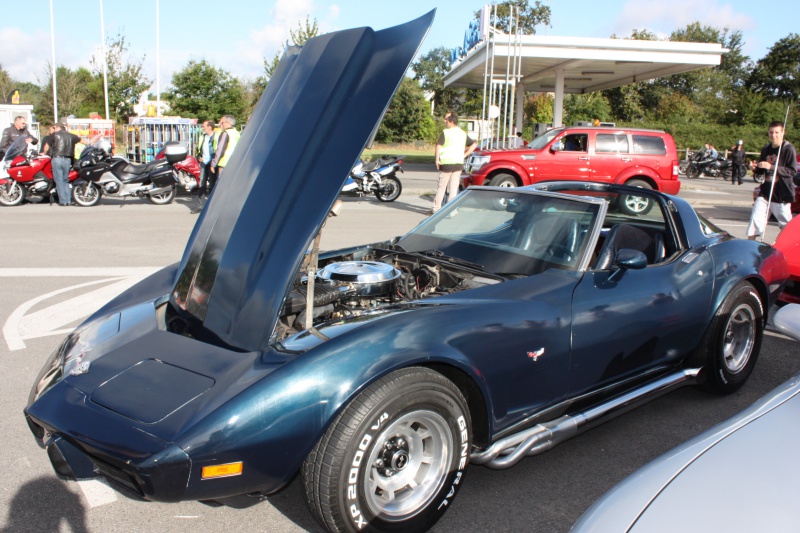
(615, 143)
(649, 145)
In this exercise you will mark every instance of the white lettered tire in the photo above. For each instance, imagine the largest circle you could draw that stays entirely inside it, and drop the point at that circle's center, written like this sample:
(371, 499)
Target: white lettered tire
(395, 457)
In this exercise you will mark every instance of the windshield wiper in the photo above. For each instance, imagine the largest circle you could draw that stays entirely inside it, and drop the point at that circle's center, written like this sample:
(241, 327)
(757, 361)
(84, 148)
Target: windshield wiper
(438, 254)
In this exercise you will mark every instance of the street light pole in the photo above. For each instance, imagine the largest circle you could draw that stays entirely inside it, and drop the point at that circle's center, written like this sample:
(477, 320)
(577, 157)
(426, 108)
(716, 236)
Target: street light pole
(53, 63)
(105, 58)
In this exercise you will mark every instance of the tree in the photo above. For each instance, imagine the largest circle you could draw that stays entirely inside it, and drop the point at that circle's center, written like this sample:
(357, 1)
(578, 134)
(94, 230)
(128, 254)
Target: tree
(298, 38)
(777, 75)
(125, 78)
(530, 16)
(199, 90)
(586, 107)
(6, 84)
(408, 117)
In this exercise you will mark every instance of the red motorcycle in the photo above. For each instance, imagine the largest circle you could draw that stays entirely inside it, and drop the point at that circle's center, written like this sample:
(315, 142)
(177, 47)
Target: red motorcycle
(188, 171)
(24, 176)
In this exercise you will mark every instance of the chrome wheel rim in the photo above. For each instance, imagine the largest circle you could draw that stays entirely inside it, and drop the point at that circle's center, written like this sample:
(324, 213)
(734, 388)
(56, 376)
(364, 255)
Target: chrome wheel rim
(637, 204)
(408, 465)
(506, 184)
(85, 194)
(740, 337)
(12, 194)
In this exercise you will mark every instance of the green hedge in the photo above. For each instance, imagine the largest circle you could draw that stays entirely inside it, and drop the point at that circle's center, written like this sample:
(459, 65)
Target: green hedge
(694, 136)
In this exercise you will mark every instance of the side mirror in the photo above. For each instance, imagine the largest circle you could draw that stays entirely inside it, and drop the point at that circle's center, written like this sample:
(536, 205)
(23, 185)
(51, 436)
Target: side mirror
(556, 147)
(628, 259)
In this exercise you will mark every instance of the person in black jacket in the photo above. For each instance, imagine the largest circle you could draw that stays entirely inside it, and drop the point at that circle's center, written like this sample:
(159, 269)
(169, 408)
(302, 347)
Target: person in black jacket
(13, 132)
(61, 152)
(782, 190)
(737, 157)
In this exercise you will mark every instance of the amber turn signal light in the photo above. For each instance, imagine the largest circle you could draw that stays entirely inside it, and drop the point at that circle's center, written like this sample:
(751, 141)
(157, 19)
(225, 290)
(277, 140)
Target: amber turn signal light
(226, 470)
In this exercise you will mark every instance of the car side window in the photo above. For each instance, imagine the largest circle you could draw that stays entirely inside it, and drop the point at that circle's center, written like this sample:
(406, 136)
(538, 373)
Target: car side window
(615, 143)
(575, 142)
(649, 145)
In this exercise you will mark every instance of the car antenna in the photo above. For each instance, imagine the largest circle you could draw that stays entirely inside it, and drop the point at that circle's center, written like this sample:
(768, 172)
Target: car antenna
(775, 172)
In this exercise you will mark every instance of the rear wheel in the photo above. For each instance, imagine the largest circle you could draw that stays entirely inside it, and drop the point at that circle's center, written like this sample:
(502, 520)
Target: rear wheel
(394, 458)
(635, 205)
(86, 194)
(12, 193)
(730, 348)
(390, 190)
(503, 180)
(163, 198)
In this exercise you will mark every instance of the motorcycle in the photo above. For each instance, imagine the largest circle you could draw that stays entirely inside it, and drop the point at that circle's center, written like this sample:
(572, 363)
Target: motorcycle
(188, 171)
(377, 177)
(26, 175)
(102, 173)
(710, 166)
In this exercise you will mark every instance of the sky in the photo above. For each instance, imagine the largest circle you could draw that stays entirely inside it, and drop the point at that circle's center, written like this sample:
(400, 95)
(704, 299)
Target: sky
(236, 35)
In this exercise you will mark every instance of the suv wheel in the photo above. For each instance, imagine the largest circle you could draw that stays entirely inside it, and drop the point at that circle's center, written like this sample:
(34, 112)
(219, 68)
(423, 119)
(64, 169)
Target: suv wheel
(503, 180)
(635, 205)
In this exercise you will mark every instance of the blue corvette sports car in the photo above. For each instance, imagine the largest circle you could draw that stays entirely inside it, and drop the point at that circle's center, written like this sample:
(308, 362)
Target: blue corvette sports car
(509, 321)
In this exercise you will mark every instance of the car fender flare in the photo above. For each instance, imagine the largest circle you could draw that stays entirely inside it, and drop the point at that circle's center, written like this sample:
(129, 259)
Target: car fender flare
(307, 403)
(640, 174)
(506, 167)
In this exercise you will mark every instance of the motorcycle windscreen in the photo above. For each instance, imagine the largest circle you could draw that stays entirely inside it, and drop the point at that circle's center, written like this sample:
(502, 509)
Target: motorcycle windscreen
(306, 132)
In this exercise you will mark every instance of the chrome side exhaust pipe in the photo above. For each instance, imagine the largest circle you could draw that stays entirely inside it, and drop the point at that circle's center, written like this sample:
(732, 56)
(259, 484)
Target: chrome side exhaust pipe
(510, 450)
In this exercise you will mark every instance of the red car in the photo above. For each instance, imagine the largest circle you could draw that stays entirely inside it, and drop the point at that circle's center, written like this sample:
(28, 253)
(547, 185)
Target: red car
(788, 242)
(635, 157)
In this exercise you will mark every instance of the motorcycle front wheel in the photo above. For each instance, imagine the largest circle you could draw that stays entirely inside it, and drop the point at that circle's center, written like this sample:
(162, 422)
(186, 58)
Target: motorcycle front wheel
(692, 172)
(12, 194)
(163, 198)
(390, 190)
(86, 194)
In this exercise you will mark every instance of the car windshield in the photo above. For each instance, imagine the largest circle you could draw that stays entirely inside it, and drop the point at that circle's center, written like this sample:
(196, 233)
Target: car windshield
(541, 141)
(509, 232)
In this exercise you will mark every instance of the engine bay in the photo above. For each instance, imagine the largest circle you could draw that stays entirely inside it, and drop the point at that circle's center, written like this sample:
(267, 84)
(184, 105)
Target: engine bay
(351, 284)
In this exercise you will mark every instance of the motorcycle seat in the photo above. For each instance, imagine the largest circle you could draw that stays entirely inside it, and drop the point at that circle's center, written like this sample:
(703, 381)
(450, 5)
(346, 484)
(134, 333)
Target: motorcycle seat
(133, 168)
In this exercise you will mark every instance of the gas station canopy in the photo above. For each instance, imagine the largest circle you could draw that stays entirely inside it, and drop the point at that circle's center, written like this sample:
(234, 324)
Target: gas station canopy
(588, 64)
(577, 65)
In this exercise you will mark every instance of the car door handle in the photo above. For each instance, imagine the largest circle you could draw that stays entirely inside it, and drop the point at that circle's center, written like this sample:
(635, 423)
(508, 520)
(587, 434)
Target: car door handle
(583, 158)
(627, 159)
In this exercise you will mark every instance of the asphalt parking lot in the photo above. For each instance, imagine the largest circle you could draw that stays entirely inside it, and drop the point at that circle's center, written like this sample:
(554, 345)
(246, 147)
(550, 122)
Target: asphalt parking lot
(58, 264)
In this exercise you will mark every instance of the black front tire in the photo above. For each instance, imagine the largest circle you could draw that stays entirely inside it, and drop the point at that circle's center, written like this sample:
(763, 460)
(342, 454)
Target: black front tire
(390, 190)
(729, 350)
(395, 457)
(86, 194)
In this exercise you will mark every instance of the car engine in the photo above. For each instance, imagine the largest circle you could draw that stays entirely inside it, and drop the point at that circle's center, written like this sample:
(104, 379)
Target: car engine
(345, 287)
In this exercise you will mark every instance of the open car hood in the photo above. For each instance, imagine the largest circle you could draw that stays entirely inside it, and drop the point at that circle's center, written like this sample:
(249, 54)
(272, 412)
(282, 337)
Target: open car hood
(306, 133)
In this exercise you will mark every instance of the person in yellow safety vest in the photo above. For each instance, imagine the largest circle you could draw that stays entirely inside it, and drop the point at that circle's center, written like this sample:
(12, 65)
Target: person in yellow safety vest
(225, 144)
(452, 148)
(79, 147)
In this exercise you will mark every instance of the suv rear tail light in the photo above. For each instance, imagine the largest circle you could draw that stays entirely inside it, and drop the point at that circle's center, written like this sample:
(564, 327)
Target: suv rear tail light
(674, 169)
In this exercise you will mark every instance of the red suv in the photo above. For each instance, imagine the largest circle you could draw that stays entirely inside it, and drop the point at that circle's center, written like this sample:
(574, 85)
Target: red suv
(635, 157)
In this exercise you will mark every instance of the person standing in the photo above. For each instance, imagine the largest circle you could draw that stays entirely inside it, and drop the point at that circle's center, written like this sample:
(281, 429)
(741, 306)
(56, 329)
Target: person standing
(225, 145)
(737, 157)
(61, 153)
(47, 140)
(782, 190)
(205, 154)
(15, 131)
(452, 148)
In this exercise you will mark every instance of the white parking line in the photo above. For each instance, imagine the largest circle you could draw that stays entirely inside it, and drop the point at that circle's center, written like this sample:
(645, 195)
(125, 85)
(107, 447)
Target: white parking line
(50, 320)
(96, 492)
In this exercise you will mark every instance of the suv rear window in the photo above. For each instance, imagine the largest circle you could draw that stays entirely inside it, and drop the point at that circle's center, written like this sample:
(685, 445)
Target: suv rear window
(615, 143)
(649, 145)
